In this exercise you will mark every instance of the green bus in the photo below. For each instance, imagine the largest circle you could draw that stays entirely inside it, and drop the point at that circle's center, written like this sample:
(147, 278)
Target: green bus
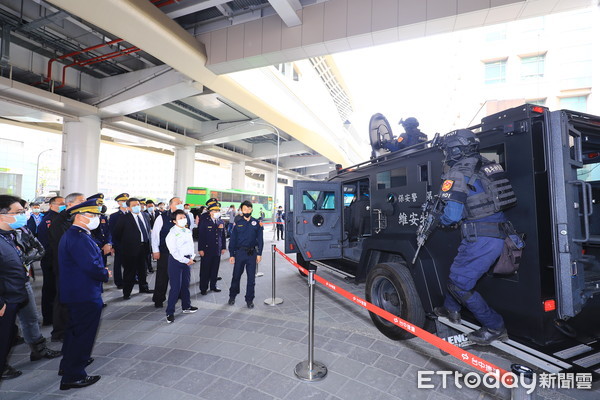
(198, 196)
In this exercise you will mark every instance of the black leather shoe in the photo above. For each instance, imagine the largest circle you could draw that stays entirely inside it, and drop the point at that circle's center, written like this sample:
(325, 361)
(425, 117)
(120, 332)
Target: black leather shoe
(158, 305)
(126, 297)
(203, 292)
(453, 316)
(216, 290)
(87, 381)
(219, 278)
(250, 304)
(88, 362)
(119, 286)
(485, 336)
(231, 301)
(10, 373)
(147, 291)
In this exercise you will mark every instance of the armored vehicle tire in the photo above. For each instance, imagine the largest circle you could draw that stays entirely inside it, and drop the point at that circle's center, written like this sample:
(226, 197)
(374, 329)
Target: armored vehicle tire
(390, 286)
(302, 262)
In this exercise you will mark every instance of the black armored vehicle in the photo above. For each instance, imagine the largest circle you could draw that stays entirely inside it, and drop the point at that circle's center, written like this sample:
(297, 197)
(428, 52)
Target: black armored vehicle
(362, 222)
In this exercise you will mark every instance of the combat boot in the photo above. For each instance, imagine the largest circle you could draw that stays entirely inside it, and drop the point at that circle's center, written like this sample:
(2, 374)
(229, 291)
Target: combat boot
(485, 336)
(453, 316)
(39, 351)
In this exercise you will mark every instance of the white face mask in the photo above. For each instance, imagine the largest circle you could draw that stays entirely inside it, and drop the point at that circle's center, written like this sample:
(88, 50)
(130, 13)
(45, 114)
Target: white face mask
(182, 222)
(217, 215)
(94, 223)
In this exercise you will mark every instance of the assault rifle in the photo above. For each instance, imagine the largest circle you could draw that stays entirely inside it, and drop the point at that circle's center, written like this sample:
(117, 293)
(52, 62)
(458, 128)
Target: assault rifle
(430, 219)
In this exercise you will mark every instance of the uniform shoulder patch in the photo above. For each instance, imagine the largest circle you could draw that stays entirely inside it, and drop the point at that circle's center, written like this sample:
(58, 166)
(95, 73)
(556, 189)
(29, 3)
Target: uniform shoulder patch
(400, 138)
(253, 223)
(447, 185)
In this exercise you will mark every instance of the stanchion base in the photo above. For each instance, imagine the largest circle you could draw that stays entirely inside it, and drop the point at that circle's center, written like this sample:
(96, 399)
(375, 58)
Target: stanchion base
(273, 301)
(318, 372)
(258, 274)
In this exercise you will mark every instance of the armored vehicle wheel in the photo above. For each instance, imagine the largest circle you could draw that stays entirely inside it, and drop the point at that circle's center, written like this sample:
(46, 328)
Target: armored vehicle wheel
(390, 286)
(303, 263)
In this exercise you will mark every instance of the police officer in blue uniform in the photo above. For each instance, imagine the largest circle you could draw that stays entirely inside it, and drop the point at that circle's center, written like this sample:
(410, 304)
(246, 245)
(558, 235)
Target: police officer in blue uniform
(82, 273)
(118, 255)
(411, 136)
(245, 249)
(102, 234)
(211, 245)
(475, 191)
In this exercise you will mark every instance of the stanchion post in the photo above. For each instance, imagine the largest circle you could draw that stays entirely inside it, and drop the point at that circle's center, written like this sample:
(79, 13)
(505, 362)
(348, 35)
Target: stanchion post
(273, 301)
(311, 370)
(524, 373)
(258, 274)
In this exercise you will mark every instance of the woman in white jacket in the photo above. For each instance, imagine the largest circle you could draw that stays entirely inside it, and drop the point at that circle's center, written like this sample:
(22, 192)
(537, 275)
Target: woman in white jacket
(181, 258)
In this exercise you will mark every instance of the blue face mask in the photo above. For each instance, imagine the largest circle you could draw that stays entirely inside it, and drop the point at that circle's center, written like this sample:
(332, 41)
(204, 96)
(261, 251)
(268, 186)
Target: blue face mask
(179, 206)
(136, 209)
(20, 221)
(150, 209)
(62, 208)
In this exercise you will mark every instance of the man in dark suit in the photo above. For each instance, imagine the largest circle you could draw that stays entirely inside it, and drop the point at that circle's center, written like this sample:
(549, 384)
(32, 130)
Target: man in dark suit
(211, 245)
(133, 234)
(57, 204)
(82, 273)
(151, 211)
(118, 253)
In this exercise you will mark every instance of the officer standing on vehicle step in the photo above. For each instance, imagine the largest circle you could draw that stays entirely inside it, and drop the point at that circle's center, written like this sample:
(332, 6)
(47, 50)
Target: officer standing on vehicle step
(245, 249)
(82, 273)
(476, 192)
(411, 136)
(211, 245)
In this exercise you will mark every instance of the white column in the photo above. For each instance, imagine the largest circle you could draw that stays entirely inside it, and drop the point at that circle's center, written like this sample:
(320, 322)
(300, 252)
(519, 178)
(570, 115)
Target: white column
(185, 158)
(270, 183)
(238, 176)
(80, 155)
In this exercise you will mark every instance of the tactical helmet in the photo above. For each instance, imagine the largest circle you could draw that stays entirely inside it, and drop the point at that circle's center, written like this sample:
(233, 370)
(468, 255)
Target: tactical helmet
(409, 123)
(458, 144)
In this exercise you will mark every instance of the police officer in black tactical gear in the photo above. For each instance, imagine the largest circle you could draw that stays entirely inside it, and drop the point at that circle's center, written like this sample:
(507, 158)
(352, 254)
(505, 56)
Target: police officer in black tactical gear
(411, 136)
(475, 192)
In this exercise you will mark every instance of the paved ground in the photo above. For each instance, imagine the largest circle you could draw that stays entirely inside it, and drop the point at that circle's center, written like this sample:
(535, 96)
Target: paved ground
(232, 353)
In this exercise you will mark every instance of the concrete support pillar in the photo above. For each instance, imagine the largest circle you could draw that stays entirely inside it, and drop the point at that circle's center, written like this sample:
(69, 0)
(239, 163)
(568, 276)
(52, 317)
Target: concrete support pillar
(80, 155)
(238, 176)
(270, 183)
(185, 157)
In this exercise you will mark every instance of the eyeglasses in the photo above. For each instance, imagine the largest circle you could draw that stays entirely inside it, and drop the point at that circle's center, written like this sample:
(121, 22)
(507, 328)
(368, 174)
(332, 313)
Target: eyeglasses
(21, 212)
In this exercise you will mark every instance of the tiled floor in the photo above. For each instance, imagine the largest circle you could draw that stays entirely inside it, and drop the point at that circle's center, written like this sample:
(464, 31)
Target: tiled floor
(227, 352)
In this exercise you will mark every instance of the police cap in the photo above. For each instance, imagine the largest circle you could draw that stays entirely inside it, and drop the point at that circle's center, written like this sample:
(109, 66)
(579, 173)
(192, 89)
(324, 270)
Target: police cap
(96, 196)
(93, 206)
(122, 197)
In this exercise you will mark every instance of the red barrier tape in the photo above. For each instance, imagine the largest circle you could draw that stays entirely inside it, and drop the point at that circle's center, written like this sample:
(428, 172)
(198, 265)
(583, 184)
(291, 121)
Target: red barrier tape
(441, 344)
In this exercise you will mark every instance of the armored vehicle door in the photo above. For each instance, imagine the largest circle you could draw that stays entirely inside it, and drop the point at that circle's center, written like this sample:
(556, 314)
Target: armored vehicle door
(288, 227)
(573, 148)
(317, 219)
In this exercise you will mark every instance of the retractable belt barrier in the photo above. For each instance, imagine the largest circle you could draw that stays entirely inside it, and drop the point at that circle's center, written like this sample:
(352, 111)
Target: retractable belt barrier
(457, 352)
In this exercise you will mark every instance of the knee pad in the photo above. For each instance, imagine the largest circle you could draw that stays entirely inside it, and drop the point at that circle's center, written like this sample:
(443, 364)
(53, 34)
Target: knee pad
(461, 295)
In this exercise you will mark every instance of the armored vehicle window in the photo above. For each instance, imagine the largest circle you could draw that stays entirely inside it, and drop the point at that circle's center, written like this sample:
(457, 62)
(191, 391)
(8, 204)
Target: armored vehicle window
(318, 200)
(495, 153)
(423, 173)
(393, 178)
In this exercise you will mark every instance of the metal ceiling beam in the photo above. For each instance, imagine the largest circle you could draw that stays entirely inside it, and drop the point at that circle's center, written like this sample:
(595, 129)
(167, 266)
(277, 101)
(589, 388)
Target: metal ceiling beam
(319, 169)
(303, 161)
(267, 150)
(232, 134)
(190, 7)
(53, 18)
(287, 11)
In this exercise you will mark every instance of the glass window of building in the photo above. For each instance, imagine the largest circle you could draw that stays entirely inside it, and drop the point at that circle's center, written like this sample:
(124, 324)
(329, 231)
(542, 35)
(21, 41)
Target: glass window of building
(532, 67)
(576, 103)
(495, 72)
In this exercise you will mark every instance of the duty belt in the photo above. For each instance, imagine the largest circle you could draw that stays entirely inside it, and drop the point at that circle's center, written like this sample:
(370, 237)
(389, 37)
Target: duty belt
(472, 230)
(248, 250)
